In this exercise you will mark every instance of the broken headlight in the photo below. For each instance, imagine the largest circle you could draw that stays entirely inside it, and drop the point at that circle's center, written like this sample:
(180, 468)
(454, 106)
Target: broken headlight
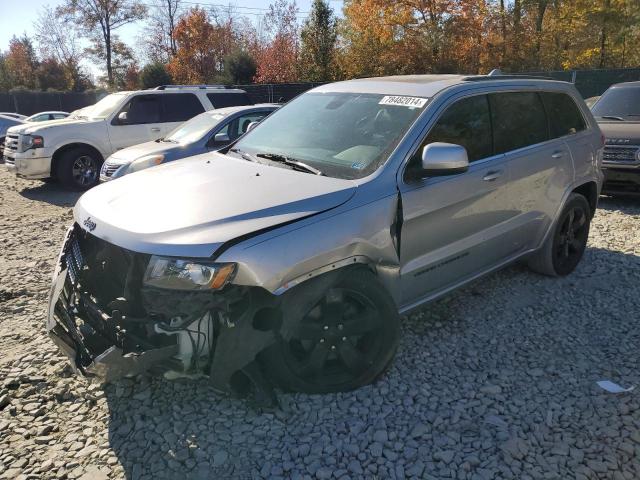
(181, 274)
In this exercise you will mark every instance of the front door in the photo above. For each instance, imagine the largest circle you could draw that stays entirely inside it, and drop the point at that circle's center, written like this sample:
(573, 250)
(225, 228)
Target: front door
(142, 122)
(455, 227)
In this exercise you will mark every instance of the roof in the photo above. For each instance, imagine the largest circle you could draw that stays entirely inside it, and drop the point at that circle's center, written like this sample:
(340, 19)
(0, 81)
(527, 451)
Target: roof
(419, 85)
(626, 85)
(50, 112)
(240, 108)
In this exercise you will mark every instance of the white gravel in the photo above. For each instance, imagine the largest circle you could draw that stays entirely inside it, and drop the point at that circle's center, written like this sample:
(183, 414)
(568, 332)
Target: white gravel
(494, 381)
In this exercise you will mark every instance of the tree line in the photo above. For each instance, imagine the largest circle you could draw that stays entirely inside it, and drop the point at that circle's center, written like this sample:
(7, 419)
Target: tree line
(182, 43)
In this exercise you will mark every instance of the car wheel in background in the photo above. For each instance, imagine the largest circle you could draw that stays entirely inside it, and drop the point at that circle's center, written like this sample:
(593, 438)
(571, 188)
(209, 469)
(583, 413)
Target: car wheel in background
(346, 340)
(79, 169)
(563, 249)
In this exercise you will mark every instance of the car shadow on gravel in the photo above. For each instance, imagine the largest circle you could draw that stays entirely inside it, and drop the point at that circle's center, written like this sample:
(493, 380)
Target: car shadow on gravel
(52, 193)
(496, 380)
(627, 205)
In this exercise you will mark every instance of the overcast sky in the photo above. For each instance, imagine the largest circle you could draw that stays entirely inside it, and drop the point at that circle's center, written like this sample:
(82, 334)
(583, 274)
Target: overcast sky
(18, 16)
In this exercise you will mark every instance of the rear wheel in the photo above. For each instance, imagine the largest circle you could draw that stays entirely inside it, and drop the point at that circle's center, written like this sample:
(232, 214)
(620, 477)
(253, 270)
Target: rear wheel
(344, 341)
(564, 248)
(79, 168)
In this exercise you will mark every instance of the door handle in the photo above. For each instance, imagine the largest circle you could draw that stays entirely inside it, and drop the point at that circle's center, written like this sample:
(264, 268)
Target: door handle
(492, 175)
(155, 129)
(558, 154)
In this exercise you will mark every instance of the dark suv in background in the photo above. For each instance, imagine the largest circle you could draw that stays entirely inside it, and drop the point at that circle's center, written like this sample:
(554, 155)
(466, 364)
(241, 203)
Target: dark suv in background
(618, 115)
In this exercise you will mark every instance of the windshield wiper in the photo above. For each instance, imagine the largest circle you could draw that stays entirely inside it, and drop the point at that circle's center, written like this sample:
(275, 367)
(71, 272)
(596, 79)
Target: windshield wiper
(165, 140)
(612, 117)
(276, 157)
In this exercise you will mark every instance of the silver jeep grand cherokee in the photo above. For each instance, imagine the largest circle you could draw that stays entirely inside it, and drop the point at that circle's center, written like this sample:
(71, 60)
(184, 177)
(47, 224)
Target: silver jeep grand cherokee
(289, 256)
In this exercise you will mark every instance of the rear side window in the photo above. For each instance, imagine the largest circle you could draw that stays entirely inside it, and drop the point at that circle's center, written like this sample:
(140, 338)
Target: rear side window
(467, 122)
(519, 120)
(564, 116)
(179, 107)
(222, 99)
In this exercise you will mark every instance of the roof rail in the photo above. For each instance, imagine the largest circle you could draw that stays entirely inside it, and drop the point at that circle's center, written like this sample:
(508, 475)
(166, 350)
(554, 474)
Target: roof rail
(499, 76)
(201, 87)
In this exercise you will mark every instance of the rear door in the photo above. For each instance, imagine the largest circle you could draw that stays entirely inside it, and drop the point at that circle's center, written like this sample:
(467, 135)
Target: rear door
(142, 123)
(177, 108)
(541, 166)
(456, 226)
(567, 122)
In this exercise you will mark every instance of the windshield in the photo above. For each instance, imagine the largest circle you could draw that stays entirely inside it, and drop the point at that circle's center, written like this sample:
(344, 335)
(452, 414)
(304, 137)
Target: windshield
(104, 107)
(619, 102)
(196, 128)
(345, 135)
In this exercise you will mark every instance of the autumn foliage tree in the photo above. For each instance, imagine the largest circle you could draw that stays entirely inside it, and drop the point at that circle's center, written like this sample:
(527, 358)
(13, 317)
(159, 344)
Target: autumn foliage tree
(201, 48)
(277, 58)
(21, 62)
(318, 37)
(98, 21)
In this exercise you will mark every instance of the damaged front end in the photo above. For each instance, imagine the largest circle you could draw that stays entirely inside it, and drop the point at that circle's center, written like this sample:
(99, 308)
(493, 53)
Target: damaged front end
(111, 323)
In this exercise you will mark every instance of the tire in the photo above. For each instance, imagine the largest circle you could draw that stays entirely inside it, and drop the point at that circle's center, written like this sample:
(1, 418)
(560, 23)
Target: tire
(345, 341)
(565, 246)
(79, 169)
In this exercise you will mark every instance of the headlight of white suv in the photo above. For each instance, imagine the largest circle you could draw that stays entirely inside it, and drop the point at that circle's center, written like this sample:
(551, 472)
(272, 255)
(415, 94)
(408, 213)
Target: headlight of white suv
(182, 274)
(139, 164)
(30, 141)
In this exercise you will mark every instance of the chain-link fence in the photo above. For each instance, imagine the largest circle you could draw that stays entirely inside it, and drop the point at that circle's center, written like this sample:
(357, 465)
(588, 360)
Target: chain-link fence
(588, 82)
(28, 102)
(591, 83)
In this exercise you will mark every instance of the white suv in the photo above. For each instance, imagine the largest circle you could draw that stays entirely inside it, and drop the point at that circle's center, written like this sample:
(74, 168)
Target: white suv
(72, 150)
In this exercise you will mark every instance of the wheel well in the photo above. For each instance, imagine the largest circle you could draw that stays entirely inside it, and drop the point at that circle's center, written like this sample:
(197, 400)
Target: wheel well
(64, 149)
(589, 191)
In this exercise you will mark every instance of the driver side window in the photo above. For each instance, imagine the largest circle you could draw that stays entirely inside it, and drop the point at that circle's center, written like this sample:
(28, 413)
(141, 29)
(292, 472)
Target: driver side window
(143, 109)
(467, 123)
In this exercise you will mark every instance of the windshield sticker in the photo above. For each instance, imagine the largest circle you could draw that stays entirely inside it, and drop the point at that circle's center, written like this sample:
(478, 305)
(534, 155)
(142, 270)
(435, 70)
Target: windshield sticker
(411, 102)
(358, 165)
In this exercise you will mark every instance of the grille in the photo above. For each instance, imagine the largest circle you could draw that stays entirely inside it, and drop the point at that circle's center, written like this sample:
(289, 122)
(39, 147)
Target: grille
(74, 259)
(624, 154)
(9, 160)
(11, 142)
(109, 169)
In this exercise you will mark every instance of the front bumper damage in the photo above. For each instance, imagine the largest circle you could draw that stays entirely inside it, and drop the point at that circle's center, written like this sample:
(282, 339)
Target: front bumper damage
(110, 326)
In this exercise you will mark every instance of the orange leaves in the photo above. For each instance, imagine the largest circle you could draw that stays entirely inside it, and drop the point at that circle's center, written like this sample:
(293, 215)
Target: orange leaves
(201, 47)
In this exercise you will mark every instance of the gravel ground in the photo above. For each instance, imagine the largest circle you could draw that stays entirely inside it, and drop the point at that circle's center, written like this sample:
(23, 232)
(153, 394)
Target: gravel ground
(494, 381)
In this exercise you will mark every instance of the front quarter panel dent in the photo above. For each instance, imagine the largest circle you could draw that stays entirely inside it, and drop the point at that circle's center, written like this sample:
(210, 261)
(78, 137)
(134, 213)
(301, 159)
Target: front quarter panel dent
(353, 236)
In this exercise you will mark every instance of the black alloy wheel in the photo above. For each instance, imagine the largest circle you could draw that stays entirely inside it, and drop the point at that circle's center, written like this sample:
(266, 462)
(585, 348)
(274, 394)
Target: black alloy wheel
(571, 238)
(344, 341)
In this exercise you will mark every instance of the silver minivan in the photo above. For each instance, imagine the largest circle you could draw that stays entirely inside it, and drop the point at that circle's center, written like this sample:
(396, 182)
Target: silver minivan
(288, 257)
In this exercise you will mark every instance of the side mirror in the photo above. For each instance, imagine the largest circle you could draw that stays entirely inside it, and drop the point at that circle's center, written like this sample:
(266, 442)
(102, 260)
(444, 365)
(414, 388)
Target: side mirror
(251, 126)
(123, 118)
(440, 159)
(221, 138)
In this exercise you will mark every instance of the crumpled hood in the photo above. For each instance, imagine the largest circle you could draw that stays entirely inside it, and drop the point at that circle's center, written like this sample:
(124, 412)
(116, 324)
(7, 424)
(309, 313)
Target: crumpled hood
(40, 127)
(621, 130)
(193, 206)
(129, 154)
